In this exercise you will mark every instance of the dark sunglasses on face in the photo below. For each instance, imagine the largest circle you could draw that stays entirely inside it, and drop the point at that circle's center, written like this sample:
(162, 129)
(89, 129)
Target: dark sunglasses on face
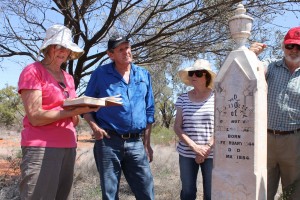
(63, 86)
(291, 46)
(198, 73)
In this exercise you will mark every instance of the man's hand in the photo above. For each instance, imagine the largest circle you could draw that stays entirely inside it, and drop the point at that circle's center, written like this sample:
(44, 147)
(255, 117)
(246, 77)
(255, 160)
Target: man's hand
(149, 152)
(257, 47)
(99, 133)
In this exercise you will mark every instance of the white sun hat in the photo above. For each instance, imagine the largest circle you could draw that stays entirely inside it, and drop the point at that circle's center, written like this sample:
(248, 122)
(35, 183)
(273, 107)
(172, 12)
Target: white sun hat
(61, 35)
(199, 64)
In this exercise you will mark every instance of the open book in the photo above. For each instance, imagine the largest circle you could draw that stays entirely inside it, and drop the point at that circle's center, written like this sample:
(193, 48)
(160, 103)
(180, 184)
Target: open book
(92, 102)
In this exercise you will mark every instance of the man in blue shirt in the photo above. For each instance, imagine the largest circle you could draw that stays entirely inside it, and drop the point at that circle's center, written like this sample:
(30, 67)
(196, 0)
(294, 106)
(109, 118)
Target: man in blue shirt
(122, 133)
(283, 79)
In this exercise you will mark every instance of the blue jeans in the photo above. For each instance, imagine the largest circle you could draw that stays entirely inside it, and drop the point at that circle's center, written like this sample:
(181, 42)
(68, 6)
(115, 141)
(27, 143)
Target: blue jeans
(114, 155)
(188, 175)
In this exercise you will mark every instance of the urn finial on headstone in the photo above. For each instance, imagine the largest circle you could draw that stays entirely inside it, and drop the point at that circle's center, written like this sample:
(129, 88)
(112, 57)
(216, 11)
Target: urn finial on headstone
(240, 127)
(240, 26)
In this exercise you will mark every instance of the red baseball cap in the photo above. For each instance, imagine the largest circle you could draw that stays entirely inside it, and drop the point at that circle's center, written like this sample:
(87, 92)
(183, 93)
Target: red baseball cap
(293, 36)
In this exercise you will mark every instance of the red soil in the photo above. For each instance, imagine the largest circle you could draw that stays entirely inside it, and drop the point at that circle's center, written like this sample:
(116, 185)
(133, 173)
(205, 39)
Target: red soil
(10, 166)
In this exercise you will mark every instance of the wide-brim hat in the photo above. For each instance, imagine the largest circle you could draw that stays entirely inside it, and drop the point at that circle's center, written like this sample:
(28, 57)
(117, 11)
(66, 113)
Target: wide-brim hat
(292, 36)
(61, 35)
(199, 64)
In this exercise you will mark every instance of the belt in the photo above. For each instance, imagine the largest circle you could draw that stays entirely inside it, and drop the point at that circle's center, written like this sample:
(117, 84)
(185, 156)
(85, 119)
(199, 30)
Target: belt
(275, 132)
(125, 136)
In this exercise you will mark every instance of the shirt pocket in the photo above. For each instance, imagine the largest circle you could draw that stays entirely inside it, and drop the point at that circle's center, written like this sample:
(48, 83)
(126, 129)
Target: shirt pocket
(140, 88)
(291, 103)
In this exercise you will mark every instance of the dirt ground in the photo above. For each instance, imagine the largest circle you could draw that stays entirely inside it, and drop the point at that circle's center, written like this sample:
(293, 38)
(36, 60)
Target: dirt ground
(10, 151)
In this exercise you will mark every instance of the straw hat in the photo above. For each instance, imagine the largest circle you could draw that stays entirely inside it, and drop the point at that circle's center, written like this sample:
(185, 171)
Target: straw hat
(61, 35)
(199, 64)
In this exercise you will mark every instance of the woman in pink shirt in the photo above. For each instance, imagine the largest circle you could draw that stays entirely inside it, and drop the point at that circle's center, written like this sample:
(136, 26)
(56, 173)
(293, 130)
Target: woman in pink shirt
(48, 137)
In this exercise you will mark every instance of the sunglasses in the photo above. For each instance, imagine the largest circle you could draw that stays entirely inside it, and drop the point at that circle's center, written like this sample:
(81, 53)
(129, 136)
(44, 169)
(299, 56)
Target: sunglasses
(198, 73)
(291, 46)
(63, 86)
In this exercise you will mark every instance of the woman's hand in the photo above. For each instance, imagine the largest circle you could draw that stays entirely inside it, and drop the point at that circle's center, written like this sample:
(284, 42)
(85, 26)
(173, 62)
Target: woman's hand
(202, 150)
(82, 110)
(75, 120)
(199, 159)
(37, 116)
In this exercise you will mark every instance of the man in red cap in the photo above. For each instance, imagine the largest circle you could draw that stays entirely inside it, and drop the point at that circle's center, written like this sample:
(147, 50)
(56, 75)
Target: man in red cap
(283, 79)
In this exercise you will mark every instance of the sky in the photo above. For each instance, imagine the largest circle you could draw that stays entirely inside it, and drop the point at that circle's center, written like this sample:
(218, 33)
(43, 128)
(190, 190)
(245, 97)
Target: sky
(10, 74)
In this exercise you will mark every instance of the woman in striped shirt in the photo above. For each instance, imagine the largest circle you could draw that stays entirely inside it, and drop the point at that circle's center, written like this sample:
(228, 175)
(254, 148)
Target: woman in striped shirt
(194, 126)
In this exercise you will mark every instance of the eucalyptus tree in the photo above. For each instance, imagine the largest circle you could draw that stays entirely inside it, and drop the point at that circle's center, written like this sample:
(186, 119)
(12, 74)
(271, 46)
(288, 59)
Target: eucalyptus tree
(164, 33)
(160, 30)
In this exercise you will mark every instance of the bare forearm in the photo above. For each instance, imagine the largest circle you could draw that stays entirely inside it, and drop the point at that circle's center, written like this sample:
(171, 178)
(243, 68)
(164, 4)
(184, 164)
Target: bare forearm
(37, 116)
(91, 121)
(147, 135)
(184, 138)
(44, 117)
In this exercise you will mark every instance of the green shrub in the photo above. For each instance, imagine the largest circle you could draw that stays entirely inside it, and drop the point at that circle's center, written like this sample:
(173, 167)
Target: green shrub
(163, 136)
(11, 108)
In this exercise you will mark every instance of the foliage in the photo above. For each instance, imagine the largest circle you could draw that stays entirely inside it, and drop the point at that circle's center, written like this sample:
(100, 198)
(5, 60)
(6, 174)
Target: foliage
(167, 109)
(160, 30)
(165, 86)
(165, 34)
(162, 136)
(11, 109)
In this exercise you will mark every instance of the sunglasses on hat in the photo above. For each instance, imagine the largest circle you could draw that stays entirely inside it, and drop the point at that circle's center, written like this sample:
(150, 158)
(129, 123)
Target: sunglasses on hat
(198, 73)
(291, 46)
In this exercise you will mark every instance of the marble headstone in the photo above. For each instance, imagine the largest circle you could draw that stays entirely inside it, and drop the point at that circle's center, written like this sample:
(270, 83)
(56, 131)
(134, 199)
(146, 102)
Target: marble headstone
(240, 152)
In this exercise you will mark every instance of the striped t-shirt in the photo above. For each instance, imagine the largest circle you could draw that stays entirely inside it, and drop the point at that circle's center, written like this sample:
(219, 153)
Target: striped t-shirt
(197, 122)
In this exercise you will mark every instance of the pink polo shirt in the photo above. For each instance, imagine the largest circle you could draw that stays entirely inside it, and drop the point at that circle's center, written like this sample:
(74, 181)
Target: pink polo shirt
(59, 134)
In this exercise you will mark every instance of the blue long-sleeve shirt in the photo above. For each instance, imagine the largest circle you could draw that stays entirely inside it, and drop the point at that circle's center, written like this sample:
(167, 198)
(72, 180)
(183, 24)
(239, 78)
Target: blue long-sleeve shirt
(138, 102)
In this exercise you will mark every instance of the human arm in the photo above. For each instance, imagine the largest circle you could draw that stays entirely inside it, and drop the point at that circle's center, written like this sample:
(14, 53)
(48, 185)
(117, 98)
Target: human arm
(199, 159)
(257, 47)
(149, 99)
(147, 142)
(98, 132)
(200, 150)
(37, 116)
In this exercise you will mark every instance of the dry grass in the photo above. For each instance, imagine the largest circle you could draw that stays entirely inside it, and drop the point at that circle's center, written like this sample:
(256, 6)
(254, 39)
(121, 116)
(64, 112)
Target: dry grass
(86, 180)
(164, 168)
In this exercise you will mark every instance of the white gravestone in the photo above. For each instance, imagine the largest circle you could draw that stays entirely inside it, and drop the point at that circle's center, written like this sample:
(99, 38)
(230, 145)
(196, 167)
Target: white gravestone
(240, 152)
